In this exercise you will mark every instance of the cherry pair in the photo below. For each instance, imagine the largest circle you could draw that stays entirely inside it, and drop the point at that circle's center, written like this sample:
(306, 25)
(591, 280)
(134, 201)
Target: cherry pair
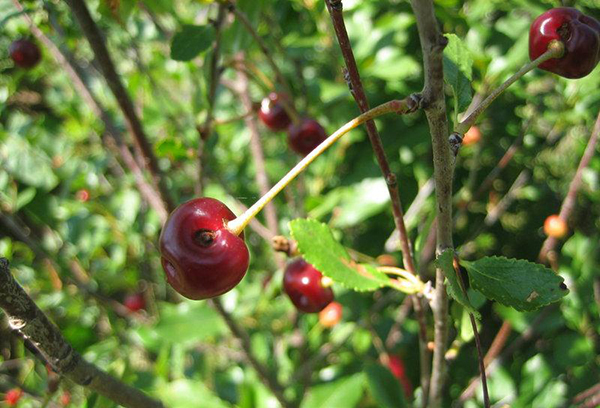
(303, 136)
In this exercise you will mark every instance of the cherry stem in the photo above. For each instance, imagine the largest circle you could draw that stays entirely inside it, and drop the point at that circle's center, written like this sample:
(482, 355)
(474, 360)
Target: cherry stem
(403, 106)
(556, 49)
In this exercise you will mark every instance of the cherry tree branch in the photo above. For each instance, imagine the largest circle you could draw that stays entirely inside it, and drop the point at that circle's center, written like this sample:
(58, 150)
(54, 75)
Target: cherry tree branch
(239, 332)
(205, 131)
(568, 204)
(432, 46)
(335, 9)
(107, 67)
(25, 317)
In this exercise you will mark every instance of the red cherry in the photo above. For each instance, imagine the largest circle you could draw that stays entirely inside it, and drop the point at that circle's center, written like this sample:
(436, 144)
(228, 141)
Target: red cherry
(13, 396)
(272, 112)
(25, 53)
(555, 227)
(302, 283)
(83, 195)
(200, 256)
(135, 302)
(396, 366)
(331, 315)
(579, 33)
(303, 137)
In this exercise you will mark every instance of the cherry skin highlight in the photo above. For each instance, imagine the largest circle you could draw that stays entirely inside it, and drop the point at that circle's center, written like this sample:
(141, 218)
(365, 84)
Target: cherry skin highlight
(25, 53)
(303, 137)
(200, 256)
(302, 283)
(272, 113)
(580, 35)
(331, 315)
(555, 227)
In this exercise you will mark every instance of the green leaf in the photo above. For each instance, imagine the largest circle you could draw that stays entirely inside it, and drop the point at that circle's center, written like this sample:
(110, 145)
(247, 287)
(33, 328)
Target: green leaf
(319, 248)
(345, 392)
(186, 393)
(446, 262)
(523, 285)
(28, 165)
(179, 324)
(384, 387)
(458, 72)
(191, 41)
(24, 198)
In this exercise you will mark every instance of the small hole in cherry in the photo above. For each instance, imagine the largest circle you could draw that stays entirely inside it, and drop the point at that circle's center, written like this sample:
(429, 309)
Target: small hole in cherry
(204, 237)
(564, 32)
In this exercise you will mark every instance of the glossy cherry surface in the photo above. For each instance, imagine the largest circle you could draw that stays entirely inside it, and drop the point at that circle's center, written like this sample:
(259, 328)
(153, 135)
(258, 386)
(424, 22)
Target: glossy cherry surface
(555, 227)
(331, 315)
(302, 283)
(200, 256)
(25, 53)
(272, 112)
(579, 33)
(135, 302)
(303, 137)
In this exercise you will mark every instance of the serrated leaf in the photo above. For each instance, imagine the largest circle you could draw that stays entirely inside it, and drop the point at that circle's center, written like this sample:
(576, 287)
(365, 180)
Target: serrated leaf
(345, 392)
(319, 248)
(191, 41)
(384, 387)
(523, 285)
(446, 262)
(458, 71)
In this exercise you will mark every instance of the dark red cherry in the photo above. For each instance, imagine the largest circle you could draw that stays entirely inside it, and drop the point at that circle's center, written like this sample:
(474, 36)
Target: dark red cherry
(135, 302)
(272, 112)
(303, 137)
(25, 53)
(579, 33)
(302, 283)
(201, 257)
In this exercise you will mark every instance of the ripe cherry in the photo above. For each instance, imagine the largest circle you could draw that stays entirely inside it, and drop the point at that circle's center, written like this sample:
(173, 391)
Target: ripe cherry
(302, 283)
(65, 398)
(25, 53)
(331, 315)
(272, 112)
(200, 256)
(13, 396)
(555, 227)
(396, 366)
(472, 136)
(580, 35)
(135, 302)
(303, 137)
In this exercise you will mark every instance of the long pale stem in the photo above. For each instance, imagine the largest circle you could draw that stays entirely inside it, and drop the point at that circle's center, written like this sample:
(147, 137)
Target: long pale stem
(406, 105)
(555, 50)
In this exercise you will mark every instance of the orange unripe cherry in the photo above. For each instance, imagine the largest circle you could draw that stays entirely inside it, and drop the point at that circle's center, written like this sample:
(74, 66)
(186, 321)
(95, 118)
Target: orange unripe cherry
(555, 227)
(472, 136)
(331, 315)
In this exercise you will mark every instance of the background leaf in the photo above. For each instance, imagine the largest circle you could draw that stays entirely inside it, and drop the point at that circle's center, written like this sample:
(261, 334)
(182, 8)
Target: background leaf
(514, 282)
(190, 41)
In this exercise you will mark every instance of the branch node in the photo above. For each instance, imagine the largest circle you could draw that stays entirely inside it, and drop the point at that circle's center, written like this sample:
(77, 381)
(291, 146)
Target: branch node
(455, 141)
(336, 5)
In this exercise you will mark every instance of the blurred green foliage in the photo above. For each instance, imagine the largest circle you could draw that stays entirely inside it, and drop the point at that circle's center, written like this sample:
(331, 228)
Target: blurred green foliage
(104, 248)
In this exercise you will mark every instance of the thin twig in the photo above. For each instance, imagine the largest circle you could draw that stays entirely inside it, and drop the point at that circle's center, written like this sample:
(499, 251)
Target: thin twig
(241, 334)
(107, 67)
(25, 317)
(568, 204)
(205, 131)
(432, 46)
